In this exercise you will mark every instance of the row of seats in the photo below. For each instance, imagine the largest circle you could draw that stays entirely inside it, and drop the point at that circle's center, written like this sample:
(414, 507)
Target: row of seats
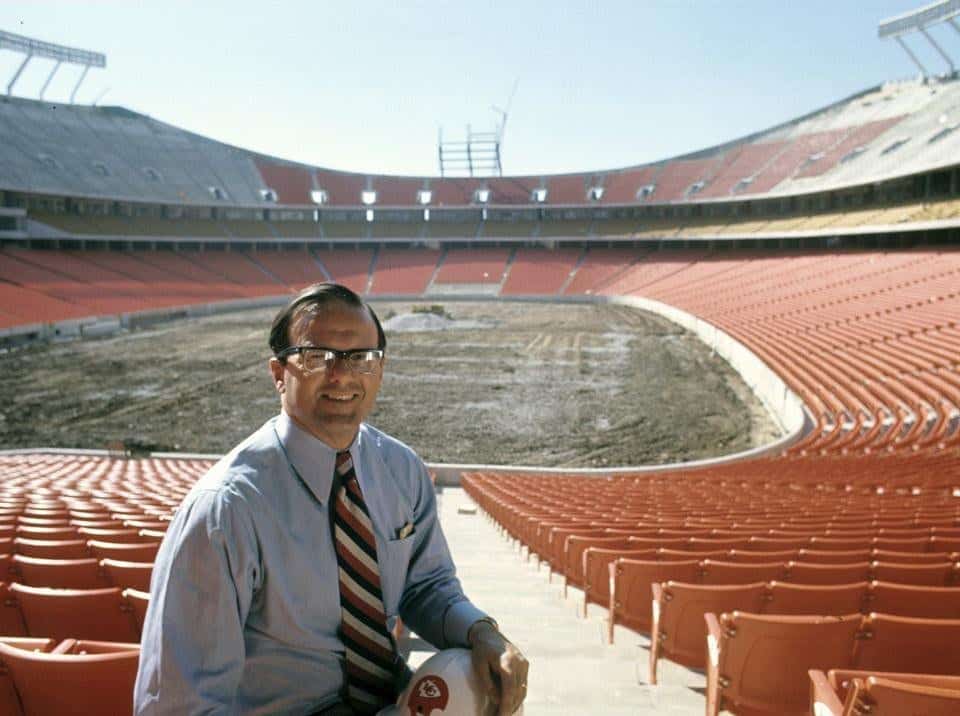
(764, 552)
(105, 614)
(69, 677)
(631, 580)
(677, 630)
(849, 692)
(81, 573)
(759, 663)
(745, 226)
(867, 339)
(78, 535)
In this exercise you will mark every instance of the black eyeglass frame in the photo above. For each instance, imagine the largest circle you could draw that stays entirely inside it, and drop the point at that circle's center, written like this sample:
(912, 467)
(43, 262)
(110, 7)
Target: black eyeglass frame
(343, 356)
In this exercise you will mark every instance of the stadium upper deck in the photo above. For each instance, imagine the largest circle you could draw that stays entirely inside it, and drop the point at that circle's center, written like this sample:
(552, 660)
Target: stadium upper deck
(895, 130)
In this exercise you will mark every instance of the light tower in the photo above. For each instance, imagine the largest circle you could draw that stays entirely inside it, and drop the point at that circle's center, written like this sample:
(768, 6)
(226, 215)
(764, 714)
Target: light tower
(37, 48)
(918, 21)
(478, 154)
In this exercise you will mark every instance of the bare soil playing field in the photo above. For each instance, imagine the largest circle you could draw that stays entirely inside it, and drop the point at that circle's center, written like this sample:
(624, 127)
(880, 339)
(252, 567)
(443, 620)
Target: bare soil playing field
(504, 383)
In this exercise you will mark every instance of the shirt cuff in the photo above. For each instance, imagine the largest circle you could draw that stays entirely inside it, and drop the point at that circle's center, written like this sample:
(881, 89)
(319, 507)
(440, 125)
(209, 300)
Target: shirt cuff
(457, 622)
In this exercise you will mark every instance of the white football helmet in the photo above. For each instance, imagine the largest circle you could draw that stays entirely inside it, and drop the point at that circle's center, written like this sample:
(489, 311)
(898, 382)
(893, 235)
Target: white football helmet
(444, 685)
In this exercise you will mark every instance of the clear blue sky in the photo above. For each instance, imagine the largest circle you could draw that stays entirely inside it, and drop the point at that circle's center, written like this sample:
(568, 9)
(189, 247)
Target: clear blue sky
(365, 85)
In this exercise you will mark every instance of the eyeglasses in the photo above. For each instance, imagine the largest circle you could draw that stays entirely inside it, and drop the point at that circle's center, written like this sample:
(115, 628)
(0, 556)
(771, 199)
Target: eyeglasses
(314, 359)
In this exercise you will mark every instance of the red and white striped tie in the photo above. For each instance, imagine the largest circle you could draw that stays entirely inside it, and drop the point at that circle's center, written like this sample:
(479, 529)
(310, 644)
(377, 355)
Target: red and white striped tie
(370, 654)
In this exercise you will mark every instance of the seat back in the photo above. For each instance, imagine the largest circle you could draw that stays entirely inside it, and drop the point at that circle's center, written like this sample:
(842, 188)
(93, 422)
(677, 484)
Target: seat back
(820, 556)
(632, 596)
(596, 571)
(717, 573)
(125, 534)
(885, 697)
(743, 556)
(72, 684)
(11, 619)
(60, 573)
(762, 660)
(127, 575)
(51, 549)
(885, 555)
(914, 601)
(9, 700)
(126, 551)
(98, 614)
(842, 679)
(815, 599)
(576, 545)
(908, 644)
(804, 573)
(678, 627)
(776, 544)
(138, 601)
(933, 575)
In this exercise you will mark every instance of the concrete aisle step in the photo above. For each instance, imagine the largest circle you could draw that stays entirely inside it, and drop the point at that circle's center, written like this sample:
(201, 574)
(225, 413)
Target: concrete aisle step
(572, 668)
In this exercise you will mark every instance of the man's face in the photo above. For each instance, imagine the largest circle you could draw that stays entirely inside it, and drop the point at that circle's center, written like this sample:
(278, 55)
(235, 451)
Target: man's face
(329, 404)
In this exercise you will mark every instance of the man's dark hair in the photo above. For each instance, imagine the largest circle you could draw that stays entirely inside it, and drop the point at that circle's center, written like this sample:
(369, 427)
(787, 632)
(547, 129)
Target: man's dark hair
(319, 294)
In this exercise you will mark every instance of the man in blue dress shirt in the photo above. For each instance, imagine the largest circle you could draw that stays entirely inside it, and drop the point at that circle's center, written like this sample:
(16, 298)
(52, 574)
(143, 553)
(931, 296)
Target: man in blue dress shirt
(245, 604)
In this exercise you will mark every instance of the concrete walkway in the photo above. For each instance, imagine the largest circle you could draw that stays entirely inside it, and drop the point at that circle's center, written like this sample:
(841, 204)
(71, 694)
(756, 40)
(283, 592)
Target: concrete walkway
(572, 668)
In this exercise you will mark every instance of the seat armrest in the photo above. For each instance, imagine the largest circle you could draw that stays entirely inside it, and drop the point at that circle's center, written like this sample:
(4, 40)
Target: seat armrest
(823, 699)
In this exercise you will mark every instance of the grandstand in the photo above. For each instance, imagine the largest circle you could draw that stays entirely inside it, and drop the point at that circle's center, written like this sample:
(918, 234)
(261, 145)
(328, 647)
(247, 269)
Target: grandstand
(819, 257)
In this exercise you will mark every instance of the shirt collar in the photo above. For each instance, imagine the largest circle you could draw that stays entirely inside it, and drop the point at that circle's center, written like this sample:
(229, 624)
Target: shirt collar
(311, 459)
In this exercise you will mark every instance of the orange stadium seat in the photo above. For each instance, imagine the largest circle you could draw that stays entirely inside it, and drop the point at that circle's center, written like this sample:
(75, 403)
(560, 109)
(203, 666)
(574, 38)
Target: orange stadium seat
(831, 693)
(776, 683)
(126, 551)
(99, 614)
(60, 573)
(139, 601)
(9, 699)
(127, 575)
(678, 632)
(52, 549)
(75, 679)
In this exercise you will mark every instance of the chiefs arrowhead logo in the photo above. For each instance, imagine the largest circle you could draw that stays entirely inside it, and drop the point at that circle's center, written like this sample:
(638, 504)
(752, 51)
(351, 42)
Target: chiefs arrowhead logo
(429, 694)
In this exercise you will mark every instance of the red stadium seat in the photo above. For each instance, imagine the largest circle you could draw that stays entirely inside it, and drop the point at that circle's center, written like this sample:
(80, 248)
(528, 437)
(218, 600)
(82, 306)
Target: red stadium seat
(125, 551)
(759, 663)
(61, 573)
(76, 679)
(9, 699)
(128, 575)
(98, 614)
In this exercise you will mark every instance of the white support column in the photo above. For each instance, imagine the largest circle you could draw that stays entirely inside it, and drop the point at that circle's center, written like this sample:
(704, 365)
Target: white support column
(83, 76)
(939, 49)
(903, 45)
(50, 77)
(18, 73)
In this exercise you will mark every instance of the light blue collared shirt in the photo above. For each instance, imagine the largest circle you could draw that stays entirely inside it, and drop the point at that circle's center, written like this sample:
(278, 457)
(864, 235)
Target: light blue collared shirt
(244, 600)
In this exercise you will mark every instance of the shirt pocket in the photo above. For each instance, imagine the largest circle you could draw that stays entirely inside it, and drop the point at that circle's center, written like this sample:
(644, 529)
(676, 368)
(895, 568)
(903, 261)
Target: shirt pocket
(393, 571)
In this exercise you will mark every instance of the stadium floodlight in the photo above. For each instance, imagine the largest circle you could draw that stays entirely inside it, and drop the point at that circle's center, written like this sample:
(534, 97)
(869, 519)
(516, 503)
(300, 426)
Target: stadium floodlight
(479, 154)
(918, 21)
(47, 50)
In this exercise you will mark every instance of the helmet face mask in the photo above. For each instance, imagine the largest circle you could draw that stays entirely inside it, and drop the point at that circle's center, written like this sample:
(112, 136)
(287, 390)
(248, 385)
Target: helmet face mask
(444, 685)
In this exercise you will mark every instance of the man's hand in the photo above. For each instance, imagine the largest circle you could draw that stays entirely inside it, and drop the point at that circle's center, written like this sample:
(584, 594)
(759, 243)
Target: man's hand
(500, 665)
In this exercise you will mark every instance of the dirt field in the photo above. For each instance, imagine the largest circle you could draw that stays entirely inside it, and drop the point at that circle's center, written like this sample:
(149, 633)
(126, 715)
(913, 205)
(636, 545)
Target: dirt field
(504, 383)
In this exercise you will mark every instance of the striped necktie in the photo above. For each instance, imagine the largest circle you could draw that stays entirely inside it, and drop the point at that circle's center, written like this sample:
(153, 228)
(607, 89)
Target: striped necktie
(370, 655)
